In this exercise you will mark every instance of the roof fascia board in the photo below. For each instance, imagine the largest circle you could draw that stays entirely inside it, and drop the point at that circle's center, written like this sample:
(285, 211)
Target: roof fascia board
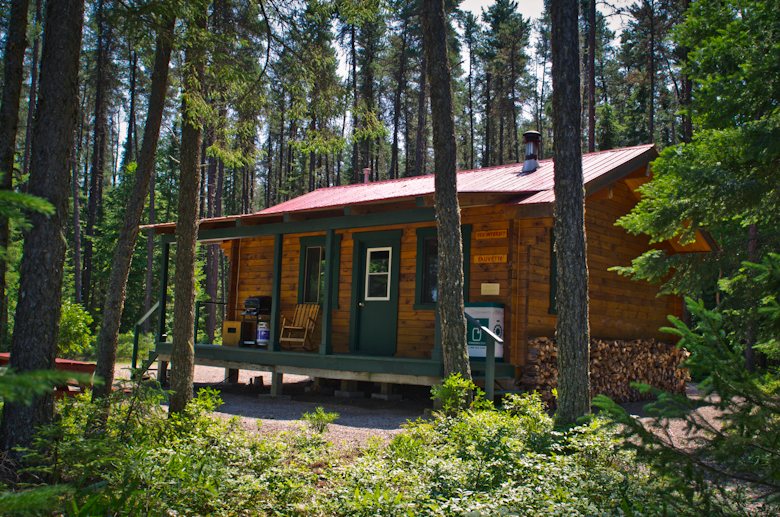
(620, 171)
(416, 215)
(533, 211)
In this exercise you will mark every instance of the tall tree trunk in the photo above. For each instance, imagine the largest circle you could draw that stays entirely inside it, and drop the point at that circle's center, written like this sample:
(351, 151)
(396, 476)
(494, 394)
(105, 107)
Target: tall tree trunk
(77, 262)
(450, 283)
(212, 250)
(130, 150)
(399, 88)
(422, 112)
(76, 223)
(487, 158)
(592, 76)
(38, 310)
(123, 254)
(471, 105)
(513, 99)
(13, 65)
(687, 94)
(33, 93)
(501, 103)
(651, 71)
(182, 352)
(98, 152)
(149, 255)
(572, 331)
(355, 120)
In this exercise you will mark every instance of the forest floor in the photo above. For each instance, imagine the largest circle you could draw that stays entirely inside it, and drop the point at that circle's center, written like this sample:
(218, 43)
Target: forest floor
(360, 419)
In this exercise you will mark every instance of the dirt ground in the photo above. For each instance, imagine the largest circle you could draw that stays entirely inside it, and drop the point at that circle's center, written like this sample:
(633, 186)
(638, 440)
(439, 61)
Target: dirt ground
(359, 418)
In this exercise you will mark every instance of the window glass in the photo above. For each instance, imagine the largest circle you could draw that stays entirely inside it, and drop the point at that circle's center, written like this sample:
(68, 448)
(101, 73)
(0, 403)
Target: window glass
(430, 270)
(314, 279)
(378, 274)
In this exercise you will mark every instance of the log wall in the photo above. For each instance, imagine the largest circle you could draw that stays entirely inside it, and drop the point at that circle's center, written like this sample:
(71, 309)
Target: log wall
(620, 308)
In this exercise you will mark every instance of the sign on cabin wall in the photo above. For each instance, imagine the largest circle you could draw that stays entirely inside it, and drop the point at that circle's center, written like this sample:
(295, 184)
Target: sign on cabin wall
(490, 234)
(490, 289)
(489, 259)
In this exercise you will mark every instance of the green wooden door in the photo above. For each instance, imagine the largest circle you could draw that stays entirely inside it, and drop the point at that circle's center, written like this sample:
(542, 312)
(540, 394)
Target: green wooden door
(376, 261)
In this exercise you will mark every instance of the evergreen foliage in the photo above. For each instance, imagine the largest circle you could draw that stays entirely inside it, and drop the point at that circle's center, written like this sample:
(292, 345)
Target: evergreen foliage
(728, 459)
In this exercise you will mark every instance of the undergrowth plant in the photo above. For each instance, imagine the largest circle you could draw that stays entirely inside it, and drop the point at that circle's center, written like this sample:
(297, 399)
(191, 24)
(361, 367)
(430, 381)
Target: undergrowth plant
(729, 462)
(456, 394)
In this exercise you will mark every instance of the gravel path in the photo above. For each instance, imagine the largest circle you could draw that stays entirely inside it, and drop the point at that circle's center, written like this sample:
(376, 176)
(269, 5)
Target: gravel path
(359, 419)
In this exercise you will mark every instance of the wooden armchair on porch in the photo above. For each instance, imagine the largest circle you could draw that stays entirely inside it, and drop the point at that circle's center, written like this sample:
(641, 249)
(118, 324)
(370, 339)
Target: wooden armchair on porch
(297, 333)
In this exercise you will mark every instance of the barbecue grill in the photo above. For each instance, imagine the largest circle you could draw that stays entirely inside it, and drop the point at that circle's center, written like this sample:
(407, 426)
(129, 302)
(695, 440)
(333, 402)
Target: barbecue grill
(257, 305)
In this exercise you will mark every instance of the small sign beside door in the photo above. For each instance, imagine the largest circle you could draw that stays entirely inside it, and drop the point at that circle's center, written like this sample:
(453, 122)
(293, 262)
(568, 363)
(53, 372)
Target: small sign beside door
(490, 234)
(489, 259)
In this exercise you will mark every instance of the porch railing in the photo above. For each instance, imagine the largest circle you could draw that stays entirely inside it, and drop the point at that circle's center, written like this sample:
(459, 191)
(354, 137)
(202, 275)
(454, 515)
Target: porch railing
(137, 329)
(198, 304)
(490, 357)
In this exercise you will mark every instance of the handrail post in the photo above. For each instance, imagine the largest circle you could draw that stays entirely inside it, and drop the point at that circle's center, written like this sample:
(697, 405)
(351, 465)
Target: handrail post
(490, 368)
(136, 330)
(197, 319)
(135, 347)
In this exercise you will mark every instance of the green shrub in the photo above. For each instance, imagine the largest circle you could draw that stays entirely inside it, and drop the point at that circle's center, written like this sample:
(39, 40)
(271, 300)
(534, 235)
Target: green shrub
(319, 421)
(458, 394)
(494, 462)
(75, 337)
(125, 345)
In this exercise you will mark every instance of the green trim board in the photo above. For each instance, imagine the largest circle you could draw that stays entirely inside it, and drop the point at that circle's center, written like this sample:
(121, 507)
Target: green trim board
(374, 318)
(276, 292)
(268, 361)
(326, 338)
(415, 215)
(431, 231)
(319, 240)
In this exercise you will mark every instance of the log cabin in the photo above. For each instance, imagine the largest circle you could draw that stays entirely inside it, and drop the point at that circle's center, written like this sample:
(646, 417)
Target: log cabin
(366, 254)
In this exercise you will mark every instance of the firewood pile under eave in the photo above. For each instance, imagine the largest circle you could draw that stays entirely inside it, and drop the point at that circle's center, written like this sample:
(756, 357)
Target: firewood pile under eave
(614, 365)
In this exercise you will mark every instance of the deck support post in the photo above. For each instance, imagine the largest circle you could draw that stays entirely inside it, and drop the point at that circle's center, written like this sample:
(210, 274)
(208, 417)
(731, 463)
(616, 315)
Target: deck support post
(326, 346)
(277, 382)
(490, 368)
(276, 293)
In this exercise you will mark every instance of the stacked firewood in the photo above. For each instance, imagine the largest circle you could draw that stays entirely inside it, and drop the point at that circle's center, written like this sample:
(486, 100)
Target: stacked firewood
(614, 365)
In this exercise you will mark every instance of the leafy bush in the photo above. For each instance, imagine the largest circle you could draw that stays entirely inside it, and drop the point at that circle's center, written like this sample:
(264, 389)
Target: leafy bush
(135, 459)
(75, 338)
(319, 421)
(132, 458)
(125, 345)
(493, 462)
(458, 394)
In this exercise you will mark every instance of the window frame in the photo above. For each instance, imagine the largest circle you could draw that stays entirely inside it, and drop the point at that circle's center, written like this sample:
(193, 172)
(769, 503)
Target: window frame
(319, 241)
(422, 235)
(387, 273)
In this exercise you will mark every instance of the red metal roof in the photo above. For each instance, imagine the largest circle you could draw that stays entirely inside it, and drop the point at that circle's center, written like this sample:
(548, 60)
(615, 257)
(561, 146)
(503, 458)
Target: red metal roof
(501, 179)
(531, 188)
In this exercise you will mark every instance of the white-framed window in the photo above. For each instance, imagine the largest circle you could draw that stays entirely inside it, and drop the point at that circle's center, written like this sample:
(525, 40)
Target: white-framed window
(378, 262)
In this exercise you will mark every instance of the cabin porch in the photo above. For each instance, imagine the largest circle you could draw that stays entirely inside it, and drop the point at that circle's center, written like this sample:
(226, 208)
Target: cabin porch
(346, 367)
